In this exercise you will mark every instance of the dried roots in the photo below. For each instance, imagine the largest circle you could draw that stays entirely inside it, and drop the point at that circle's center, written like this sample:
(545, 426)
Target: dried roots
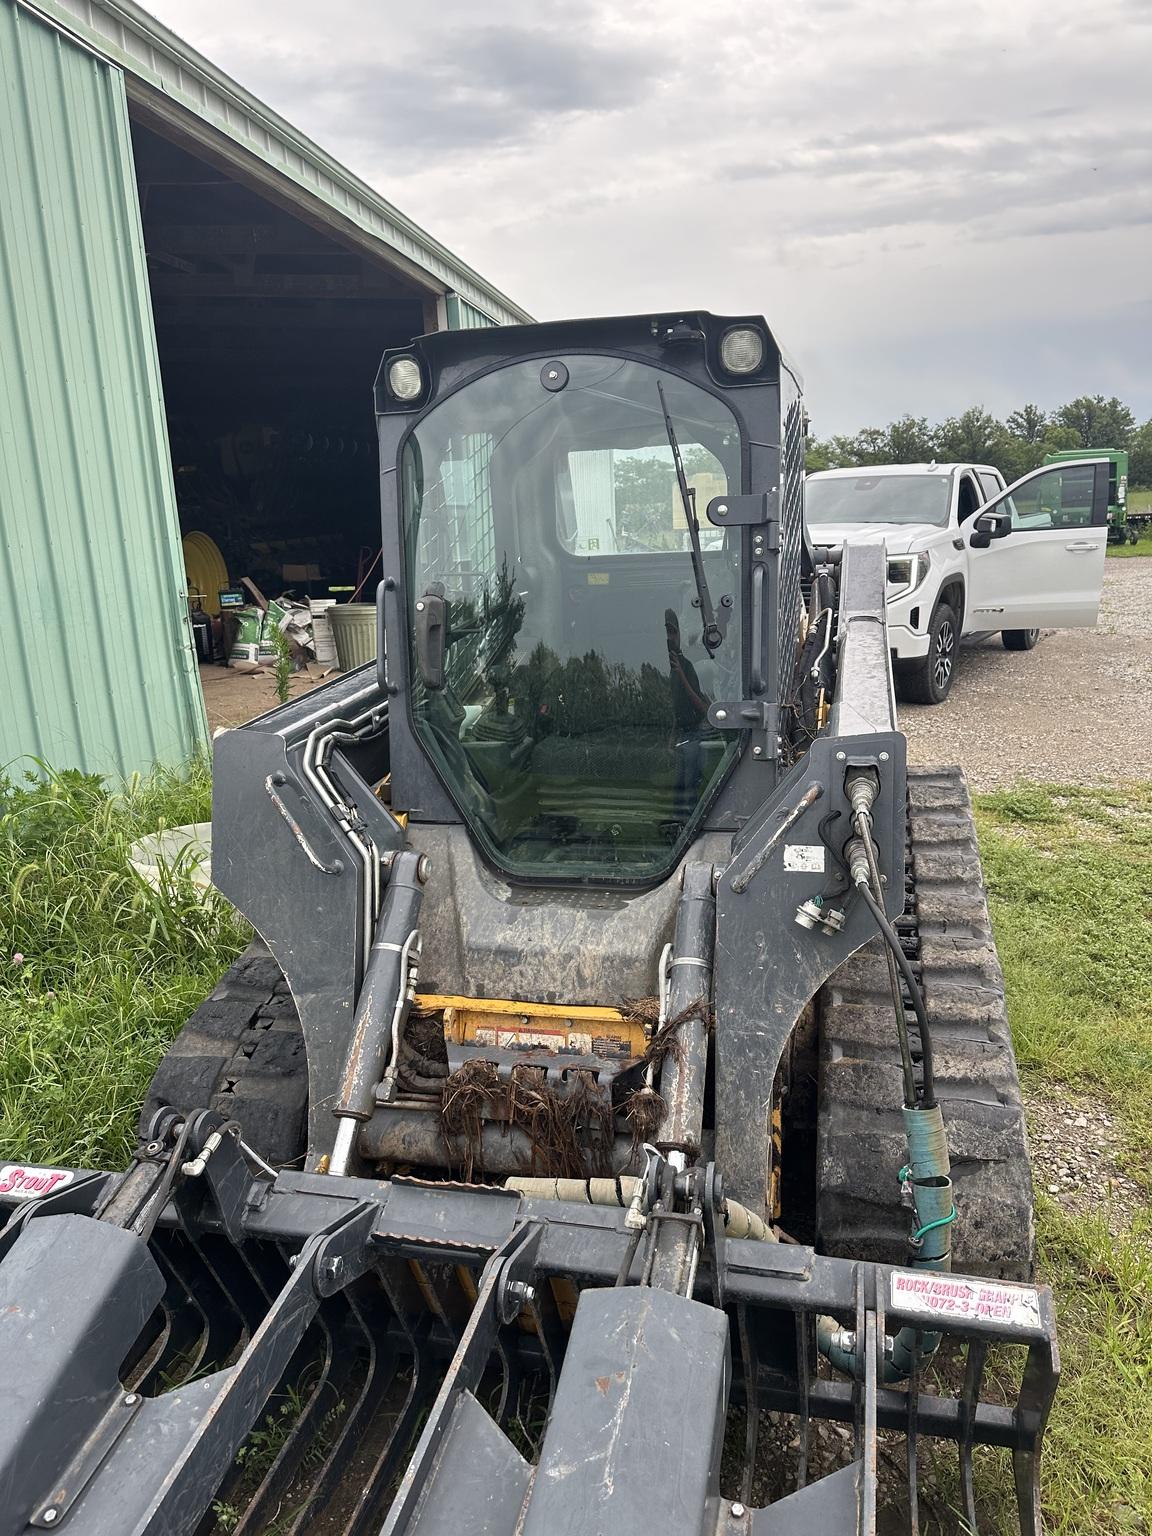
(569, 1130)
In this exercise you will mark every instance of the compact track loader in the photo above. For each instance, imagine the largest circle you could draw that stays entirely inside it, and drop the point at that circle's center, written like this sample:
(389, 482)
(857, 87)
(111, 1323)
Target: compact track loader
(620, 1089)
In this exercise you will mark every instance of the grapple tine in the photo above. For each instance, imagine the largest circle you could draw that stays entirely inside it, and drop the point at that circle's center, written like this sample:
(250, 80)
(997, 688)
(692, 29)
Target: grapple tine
(873, 1335)
(1037, 1390)
(370, 1368)
(748, 1354)
(858, 1378)
(274, 1485)
(912, 1432)
(802, 1375)
(970, 1392)
(224, 1322)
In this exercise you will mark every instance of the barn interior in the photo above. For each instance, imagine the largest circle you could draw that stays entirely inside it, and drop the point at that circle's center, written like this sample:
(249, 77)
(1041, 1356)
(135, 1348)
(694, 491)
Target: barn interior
(269, 326)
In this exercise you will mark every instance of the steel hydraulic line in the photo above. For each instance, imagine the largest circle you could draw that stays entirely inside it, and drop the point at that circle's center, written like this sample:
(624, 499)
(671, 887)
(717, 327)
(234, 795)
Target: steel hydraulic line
(315, 767)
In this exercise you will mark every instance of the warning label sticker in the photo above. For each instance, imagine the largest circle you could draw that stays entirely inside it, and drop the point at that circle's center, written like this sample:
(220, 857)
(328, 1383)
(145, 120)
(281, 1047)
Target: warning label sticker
(806, 856)
(987, 1301)
(26, 1183)
(556, 1041)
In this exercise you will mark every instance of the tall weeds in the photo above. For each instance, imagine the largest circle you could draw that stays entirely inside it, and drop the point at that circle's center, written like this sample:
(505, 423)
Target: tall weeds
(97, 969)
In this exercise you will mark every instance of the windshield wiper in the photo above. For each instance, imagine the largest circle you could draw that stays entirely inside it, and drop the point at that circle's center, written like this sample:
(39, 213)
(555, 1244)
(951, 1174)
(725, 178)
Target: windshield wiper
(713, 636)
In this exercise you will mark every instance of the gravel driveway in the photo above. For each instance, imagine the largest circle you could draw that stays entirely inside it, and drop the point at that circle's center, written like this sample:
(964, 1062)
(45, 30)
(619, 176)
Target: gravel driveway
(1077, 709)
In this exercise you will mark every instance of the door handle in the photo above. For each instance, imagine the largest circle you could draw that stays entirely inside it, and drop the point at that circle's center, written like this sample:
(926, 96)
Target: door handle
(386, 587)
(1080, 547)
(756, 677)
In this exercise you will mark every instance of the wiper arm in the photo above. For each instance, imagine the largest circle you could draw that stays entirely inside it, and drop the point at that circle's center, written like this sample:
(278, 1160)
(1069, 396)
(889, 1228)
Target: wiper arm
(713, 636)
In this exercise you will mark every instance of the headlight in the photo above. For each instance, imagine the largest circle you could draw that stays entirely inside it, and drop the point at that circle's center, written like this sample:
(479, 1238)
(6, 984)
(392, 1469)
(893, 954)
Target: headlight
(906, 572)
(405, 381)
(742, 349)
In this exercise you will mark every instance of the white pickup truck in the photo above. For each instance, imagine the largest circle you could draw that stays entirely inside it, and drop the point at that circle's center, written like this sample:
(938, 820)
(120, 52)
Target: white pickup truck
(969, 555)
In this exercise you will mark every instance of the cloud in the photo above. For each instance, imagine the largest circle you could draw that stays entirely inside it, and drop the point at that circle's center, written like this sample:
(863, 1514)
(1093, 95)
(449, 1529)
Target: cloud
(925, 201)
(492, 85)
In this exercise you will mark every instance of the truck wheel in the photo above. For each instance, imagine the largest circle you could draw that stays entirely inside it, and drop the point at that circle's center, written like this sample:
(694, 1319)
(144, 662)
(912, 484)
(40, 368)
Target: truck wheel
(1019, 639)
(928, 680)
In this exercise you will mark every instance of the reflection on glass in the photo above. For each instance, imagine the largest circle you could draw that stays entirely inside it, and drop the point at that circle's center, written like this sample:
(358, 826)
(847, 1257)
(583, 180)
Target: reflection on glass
(1059, 498)
(572, 725)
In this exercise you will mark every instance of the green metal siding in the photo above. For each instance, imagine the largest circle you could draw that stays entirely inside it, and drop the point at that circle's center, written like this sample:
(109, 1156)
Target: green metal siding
(97, 650)
(463, 316)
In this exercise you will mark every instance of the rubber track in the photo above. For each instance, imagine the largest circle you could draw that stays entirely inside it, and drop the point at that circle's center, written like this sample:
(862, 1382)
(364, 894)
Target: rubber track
(860, 1139)
(242, 1052)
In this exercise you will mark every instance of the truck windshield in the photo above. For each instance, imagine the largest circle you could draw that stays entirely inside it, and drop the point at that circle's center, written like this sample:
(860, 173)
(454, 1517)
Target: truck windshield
(864, 498)
(541, 504)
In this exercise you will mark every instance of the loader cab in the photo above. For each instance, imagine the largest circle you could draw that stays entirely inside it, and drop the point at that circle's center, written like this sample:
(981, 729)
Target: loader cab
(552, 679)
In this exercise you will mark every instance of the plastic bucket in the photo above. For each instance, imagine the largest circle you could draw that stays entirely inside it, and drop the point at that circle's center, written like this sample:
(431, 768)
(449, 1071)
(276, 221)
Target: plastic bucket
(183, 850)
(323, 644)
(354, 631)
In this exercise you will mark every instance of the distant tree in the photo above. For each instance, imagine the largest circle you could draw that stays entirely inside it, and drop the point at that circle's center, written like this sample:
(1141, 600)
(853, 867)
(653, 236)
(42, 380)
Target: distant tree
(1015, 446)
(1098, 423)
(837, 453)
(872, 446)
(1060, 439)
(817, 455)
(1027, 423)
(971, 437)
(1013, 456)
(843, 452)
(911, 441)
(1140, 457)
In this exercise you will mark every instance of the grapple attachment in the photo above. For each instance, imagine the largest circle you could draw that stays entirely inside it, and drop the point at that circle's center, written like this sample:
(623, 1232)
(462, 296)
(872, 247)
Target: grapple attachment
(201, 1346)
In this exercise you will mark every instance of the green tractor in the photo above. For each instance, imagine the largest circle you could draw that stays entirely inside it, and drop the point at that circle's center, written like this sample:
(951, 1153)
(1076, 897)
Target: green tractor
(1123, 528)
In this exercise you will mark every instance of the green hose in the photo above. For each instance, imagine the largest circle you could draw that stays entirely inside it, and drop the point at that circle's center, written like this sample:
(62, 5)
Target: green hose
(927, 1174)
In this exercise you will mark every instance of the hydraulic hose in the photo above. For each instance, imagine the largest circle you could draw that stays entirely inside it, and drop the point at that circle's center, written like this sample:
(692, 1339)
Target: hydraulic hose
(865, 871)
(926, 1177)
(892, 939)
(739, 1221)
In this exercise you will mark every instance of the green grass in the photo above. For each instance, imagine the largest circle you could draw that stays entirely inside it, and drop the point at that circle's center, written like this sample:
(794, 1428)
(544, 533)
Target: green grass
(1097, 1462)
(1070, 880)
(1138, 501)
(97, 970)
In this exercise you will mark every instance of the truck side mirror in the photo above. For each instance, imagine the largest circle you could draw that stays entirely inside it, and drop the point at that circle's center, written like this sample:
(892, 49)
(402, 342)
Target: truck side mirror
(430, 628)
(989, 526)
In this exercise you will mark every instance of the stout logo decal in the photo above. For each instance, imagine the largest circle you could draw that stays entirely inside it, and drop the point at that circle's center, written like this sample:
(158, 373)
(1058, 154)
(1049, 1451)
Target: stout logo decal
(27, 1183)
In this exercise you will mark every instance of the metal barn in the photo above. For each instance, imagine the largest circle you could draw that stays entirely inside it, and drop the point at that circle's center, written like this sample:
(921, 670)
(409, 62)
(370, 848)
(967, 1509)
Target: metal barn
(193, 301)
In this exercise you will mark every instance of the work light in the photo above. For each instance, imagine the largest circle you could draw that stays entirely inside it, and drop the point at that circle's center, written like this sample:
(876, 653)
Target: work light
(742, 349)
(405, 381)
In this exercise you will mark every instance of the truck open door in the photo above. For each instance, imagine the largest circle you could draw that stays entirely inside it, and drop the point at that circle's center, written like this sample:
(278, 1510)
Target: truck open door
(1037, 550)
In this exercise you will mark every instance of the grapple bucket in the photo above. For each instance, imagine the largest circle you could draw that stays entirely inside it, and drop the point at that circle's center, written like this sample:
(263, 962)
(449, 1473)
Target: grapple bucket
(238, 1352)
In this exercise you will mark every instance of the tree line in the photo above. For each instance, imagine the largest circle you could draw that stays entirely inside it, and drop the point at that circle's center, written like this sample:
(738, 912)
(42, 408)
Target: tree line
(1014, 445)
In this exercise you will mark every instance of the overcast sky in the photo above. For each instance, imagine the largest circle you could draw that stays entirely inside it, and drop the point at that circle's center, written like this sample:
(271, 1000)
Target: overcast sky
(934, 202)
